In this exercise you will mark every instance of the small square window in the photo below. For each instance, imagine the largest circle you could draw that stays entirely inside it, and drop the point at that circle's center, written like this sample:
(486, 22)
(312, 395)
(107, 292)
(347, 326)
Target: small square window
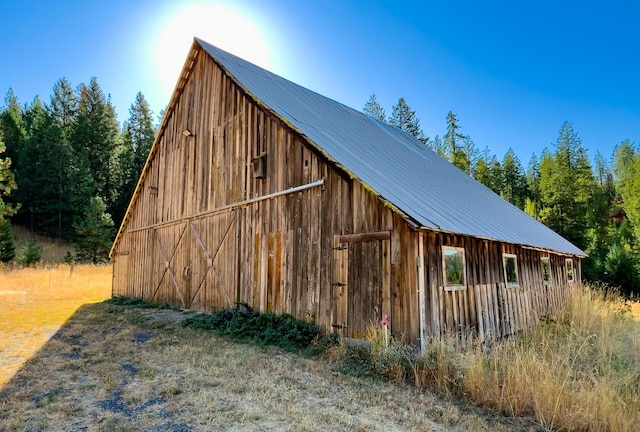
(546, 269)
(510, 270)
(454, 268)
(570, 275)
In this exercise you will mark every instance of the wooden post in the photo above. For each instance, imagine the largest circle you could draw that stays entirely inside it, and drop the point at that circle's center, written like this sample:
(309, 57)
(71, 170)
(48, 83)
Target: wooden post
(421, 291)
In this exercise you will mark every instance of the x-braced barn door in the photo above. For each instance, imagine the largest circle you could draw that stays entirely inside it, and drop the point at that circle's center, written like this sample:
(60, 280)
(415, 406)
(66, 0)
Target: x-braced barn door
(195, 262)
(360, 278)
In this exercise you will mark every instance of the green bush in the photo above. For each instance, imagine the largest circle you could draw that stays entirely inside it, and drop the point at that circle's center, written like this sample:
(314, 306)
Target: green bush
(620, 270)
(30, 254)
(244, 323)
(135, 303)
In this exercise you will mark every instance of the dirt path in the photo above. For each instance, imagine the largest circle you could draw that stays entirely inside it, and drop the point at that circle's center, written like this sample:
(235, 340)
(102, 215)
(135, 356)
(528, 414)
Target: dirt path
(112, 368)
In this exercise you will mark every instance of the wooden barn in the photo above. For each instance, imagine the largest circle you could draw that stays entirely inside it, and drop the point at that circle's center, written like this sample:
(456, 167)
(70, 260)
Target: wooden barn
(261, 191)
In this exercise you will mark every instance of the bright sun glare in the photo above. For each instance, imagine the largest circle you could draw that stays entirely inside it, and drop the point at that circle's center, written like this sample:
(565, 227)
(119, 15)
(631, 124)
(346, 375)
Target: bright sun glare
(223, 26)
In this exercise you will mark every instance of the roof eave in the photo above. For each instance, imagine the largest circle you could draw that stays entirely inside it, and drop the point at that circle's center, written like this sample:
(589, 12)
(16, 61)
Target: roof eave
(524, 246)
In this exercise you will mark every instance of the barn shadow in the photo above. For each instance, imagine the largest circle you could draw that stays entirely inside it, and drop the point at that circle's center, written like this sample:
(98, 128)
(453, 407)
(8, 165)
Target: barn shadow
(77, 380)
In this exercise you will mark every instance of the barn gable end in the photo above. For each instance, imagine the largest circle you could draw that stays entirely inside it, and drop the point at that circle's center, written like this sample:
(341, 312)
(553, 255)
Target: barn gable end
(237, 204)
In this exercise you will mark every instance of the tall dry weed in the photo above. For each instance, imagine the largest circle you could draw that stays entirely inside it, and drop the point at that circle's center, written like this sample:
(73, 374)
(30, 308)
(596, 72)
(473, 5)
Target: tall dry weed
(579, 373)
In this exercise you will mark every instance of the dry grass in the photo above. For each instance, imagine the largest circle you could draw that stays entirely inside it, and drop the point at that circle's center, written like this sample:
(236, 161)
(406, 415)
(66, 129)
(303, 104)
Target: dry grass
(579, 373)
(115, 368)
(36, 302)
(53, 251)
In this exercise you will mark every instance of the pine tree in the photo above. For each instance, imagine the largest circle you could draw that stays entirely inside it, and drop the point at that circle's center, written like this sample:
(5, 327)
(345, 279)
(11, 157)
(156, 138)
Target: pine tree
(620, 270)
(7, 183)
(627, 174)
(438, 146)
(533, 180)
(405, 119)
(95, 233)
(95, 138)
(567, 184)
(64, 106)
(513, 180)
(138, 138)
(7, 248)
(482, 168)
(373, 109)
(456, 147)
(497, 177)
(12, 125)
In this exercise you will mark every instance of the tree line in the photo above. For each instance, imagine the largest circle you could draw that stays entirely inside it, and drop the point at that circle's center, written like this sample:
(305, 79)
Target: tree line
(70, 168)
(595, 204)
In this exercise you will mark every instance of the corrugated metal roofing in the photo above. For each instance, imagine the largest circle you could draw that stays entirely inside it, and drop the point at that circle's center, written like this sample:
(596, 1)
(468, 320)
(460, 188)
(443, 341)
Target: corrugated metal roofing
(397, 166)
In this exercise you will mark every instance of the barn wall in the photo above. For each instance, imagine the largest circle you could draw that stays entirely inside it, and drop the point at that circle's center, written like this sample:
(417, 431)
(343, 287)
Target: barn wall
(200, 237)
(487, 306)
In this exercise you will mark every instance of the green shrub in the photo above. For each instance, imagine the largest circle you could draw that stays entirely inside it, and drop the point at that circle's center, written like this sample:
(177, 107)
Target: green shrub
(31, 254)
(135, 303)
(245, 323)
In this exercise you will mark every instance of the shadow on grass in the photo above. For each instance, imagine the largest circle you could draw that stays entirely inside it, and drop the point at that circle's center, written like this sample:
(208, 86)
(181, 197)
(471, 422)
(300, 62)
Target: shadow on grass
(87, 377)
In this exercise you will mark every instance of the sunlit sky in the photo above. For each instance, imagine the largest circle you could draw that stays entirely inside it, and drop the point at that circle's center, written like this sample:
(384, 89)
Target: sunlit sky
(512, 71)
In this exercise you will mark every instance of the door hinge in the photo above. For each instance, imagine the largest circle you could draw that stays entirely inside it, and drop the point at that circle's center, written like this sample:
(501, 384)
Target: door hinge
(339, 284)
(338, 326)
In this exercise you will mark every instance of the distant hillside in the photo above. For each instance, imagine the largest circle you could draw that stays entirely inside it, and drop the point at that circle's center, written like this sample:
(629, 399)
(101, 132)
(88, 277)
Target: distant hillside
(53, 251)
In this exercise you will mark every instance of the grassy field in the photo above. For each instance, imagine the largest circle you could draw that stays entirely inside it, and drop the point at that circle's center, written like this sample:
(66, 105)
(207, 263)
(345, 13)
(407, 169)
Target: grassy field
(36, 302)
(71, 362)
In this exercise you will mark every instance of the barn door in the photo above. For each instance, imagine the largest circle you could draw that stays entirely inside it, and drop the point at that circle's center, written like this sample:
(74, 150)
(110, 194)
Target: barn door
(359, 276)
(190, 270)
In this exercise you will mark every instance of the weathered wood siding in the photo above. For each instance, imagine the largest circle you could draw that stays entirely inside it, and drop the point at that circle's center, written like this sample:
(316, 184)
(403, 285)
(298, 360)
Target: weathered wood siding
(275, 254)
(487, 306)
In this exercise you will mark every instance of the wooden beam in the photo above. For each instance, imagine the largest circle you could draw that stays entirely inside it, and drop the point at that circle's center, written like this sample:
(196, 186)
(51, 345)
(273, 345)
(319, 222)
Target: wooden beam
(232, 206)
(365, 237)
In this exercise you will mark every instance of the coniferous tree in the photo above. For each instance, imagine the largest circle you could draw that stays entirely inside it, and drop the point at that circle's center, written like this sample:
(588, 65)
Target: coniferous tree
(373, 109)
(138, 138)
(438, 146)
(64, 106)
(533, 180)
(7, 248)
(601, 232)
(627, 173)
(404, 118)
(621, 270)
(95, 137)
(95, 233)
(497, 178)
(513, 180)
(566, 182)
(7, 182)
(12, 125)
(455, 145)
(482, 168)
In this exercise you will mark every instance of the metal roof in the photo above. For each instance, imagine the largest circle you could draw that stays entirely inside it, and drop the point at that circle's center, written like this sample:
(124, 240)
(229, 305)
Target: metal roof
(398, 167)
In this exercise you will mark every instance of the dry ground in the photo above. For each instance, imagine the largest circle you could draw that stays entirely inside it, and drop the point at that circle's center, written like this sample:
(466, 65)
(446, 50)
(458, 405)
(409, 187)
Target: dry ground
(36, 302)
(115, 368)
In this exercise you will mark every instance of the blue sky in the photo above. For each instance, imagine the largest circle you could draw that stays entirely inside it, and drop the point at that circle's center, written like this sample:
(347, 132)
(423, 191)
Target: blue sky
(513, 72)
